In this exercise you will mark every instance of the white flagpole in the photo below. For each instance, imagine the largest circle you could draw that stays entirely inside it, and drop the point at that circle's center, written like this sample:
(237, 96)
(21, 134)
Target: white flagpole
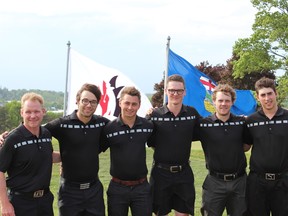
(166, 72)
(66, 84)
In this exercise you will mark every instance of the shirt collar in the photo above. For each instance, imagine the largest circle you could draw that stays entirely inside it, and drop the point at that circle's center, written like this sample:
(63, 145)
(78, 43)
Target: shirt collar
(279, 112)
(215, 119)
(27, 133)
(166, 109)
(138, 121)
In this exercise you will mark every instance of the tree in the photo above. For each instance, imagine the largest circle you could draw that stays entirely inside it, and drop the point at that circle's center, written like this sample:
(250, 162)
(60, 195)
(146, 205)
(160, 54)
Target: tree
(13, 117)
(266, 50)
(282, 91)
(222, 74)
(157, 98)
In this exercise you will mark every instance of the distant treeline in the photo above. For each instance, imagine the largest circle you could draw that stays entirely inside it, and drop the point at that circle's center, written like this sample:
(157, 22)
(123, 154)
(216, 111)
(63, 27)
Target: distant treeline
(53, 100)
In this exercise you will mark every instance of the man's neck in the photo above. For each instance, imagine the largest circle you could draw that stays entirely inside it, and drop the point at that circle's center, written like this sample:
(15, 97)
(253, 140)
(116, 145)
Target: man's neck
(270, 113)
(84, 119)
(223, 118)
(130, 121)
(34, 131)
(174, 108)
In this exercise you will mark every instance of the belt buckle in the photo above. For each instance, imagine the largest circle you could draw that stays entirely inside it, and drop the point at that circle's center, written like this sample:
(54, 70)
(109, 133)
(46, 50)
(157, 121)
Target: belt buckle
(175, 169)
(84, 186)
(270, 176)
(229, 177)
(38, 193)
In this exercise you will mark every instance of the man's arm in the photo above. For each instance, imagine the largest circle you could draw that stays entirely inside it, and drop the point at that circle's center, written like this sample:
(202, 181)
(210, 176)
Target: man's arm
(56, 157)
(6, 206)
(246, 147)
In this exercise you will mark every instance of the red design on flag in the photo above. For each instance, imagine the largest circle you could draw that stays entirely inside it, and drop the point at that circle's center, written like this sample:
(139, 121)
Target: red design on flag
(104, 98)
(207, 83)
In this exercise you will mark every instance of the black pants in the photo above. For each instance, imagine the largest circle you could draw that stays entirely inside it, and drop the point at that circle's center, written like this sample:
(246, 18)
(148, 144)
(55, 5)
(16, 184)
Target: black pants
(138, 198)
(172, 190)
(29, 206)
(218, 195)
(267, 196)
(73, 201)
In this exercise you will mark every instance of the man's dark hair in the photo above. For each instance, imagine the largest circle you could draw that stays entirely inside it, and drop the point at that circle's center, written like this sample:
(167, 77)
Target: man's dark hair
(265, 82)
(176, 78)
(91, 88)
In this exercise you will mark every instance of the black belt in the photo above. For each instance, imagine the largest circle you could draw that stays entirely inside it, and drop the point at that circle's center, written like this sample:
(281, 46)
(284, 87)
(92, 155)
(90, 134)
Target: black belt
(171, 168)
(271, 176)
(81, 186)
(129, 183)
(34, 194)
(227, 176)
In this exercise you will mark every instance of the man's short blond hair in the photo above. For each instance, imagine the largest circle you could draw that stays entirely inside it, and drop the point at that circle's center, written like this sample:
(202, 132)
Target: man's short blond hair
(32, 96)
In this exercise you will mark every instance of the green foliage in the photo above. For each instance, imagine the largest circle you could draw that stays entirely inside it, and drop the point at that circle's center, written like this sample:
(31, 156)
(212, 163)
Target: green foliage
(266, 50)
(53, 100)
(10, 116)
(282, 90)
(51, 116)
(254, 58)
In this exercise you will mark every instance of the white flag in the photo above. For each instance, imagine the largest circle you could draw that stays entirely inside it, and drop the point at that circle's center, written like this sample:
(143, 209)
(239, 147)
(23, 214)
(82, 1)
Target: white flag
(110, 81)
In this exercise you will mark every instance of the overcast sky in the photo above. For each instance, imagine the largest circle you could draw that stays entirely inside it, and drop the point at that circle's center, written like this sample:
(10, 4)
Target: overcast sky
(128, 35)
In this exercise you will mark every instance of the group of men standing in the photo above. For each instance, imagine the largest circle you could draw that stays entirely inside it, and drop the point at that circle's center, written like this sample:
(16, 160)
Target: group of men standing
(169, 130)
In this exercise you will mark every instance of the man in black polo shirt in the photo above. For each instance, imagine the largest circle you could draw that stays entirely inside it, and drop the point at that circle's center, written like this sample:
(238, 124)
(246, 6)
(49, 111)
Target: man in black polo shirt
(79, 134)
(26, 156)
(268, 178)
(222, 139)
(172, 178)
(127, 136)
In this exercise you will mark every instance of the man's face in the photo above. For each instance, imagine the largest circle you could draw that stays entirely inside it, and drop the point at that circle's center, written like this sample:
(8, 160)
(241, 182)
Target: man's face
(223, 103)
(175, 92)
(32, 113)
(267, 98)
(129, 105)
(87, 104)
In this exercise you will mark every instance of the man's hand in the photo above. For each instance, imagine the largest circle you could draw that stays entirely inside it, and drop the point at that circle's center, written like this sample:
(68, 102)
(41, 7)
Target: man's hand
(7, 209)
(2, 137)
(150, 111)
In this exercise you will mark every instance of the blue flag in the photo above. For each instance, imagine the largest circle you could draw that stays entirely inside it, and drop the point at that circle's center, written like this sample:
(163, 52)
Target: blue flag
(245, 103)
(199, 87)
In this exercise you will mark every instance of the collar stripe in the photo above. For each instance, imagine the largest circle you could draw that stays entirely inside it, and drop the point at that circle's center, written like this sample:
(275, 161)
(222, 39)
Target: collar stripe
(34, 141)
(272, 122)
(131, 131)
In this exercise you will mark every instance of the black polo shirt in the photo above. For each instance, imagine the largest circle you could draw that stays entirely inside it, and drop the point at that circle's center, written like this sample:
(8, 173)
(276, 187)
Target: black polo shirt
(128, 148)
(27, 159)
(79, 145)
(270, 141)
(172, 135)
(222, 143)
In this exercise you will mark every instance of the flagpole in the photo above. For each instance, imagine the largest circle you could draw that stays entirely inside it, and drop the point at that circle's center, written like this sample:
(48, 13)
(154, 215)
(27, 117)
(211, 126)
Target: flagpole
(166, 72)
(66, 84)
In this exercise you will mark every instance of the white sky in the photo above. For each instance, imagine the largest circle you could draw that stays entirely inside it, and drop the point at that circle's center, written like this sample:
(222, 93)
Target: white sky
(128, 35)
